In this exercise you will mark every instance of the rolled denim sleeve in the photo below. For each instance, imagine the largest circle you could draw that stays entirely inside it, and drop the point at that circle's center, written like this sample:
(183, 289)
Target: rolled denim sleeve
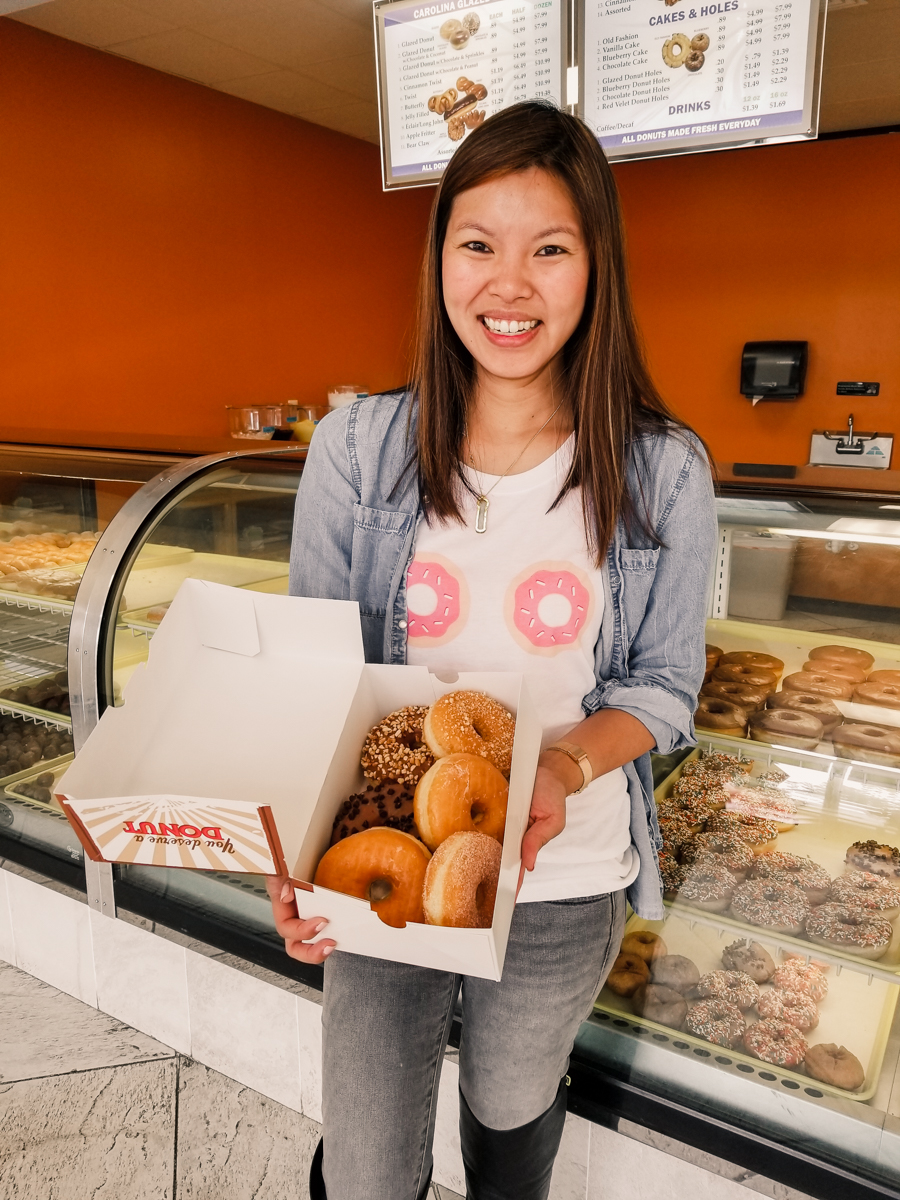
(666, 660)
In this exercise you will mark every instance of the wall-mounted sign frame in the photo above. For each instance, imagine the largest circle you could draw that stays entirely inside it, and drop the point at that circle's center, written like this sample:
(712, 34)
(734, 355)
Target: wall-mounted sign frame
(445, 65)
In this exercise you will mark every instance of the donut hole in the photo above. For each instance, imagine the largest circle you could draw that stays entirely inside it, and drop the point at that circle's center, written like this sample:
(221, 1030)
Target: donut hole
(378, 890)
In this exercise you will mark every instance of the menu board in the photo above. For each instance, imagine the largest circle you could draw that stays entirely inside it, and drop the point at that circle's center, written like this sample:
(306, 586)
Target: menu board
(443, 67)
(667, 76)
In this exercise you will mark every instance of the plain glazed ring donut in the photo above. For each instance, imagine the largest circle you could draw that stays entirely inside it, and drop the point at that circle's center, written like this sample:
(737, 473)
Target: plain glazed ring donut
(885, 695)
(843, 656)
(471, 723)
(645, 944)
(385, 867)
(795, 1008)
(809, 702)
(661, 1004)
(795, 975)
(867, 743)
(892, 677)
(676, 972)
(776, 905)
(835, 1065)
(627, 974)
(734, 986)
(776, 1042)
(786, 727)
(394, 749)
(849, 673)
(862, 889)
(754, 676)
(461, 793)
(848, 928)
(461, 882)
(819, 682)
(716, 1021)
(742, 694)
(720, 717)
(750, 658)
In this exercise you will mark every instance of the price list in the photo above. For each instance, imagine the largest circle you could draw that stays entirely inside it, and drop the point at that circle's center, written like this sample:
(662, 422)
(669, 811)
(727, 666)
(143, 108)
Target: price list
(668, 76)
(444, 67)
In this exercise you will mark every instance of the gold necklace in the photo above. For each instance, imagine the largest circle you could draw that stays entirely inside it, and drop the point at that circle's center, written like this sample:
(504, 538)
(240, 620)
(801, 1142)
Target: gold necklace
(481, 501)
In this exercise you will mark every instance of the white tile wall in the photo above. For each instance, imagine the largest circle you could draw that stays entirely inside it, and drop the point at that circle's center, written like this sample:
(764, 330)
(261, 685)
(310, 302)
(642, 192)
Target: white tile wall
(52, 935)
(7, 941)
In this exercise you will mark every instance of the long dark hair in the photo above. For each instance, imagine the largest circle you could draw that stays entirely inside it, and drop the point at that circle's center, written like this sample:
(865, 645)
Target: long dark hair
(607, 383)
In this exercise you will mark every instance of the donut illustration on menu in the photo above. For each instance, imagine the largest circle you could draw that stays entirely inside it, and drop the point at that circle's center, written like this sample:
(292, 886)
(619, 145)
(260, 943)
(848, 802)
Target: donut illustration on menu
(548, 607)
(682, 51)
(459, 105)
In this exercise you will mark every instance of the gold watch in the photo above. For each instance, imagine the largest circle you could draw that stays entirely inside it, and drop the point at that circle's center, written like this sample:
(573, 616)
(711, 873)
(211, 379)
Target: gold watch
(578, 756)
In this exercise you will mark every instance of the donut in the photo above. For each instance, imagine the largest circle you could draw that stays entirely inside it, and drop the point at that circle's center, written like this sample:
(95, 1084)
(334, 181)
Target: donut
(759, 834)
(394, 749)
(676, 972)
(675, 50)
(800, 958)
(549, 610)
(699, 792)
(720, 717)
(676, 831)
(773, 775)
(749, 658)
(892, 677)
(875, 857)
(795, 975)
(384, 866)
(849, 928)
(849, 673)
(716, 1021)
(434, 602)
(727, 848)
(786, 727)
(750, 958)
(461, 881)
(867, 743)
(795, 1008)
(713, 654)
(754, 676)
(835, 1065)
(627, 974)
(450, 27)
(731, 765)
(761, 800)
(819, 682)
(797, 869)
(843, 656)
(742, 694)
(810, 702)
(675, 812)
(461, 793)
(700, 43)
(885, 695)
(663, 1005)
(388, 804)
(734, 986)
(694, 60)
(470, 723)
(775, 1042)
(708, 885)
(771, 904)
(871, 892)
(645, 944)
(672, 874)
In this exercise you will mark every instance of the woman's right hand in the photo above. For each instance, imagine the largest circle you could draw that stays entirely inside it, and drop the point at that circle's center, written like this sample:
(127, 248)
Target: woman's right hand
(295, 929)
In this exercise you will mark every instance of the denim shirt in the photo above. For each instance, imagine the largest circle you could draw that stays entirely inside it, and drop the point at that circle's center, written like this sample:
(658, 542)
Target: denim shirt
(354, 532)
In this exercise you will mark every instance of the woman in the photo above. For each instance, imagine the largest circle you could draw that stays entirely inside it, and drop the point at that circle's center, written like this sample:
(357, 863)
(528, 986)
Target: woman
(534, 461)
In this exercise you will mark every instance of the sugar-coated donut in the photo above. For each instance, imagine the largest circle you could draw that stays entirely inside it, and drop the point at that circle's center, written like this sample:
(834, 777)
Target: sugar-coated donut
(849, 928)
(461, 881)
(796, 975)
(460, 793)
(385, 867)
(843, 655)
(720, 717)
(848, 673)
(717, 1021)
(867, 743)
(661, 1004)
(742, 694)
(796, 1008)
(885, 695)
(645, 944)
(734, 986)
(835, 1065)
(627, 974)
(471, 723)
(776, 1042)
(751, 658)
(772, 904)
(884, 677)
(786, 727)
(865, 890)
(394, 749)
(876, 857)
(755, 676)
(813, 703)
(751, 958)
(819, 682)
(676, 972)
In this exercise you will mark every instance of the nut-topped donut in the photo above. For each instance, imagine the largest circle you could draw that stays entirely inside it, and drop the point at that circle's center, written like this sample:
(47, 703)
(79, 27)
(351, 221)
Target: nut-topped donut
(469, 722)
(843, 655)
(395, 748)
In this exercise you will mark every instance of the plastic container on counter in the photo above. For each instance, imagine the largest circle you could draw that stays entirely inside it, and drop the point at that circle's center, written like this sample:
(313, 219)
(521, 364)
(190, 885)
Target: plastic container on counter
(340, 394)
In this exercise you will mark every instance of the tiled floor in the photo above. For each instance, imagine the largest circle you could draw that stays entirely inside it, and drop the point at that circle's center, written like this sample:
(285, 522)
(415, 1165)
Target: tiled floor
(854, 627)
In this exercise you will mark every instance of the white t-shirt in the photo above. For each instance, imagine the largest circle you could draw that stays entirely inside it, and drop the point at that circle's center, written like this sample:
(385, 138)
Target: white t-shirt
(525, 596)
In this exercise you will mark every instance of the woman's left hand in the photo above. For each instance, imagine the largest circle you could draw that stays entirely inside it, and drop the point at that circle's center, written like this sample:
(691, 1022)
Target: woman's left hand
(547, 818)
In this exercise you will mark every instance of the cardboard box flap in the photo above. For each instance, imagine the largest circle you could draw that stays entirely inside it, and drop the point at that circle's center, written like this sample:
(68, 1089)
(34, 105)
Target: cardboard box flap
(224, 617)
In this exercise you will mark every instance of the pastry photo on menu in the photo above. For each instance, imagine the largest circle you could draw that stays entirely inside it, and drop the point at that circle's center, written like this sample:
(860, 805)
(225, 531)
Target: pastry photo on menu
(459, 105)
(681, 51)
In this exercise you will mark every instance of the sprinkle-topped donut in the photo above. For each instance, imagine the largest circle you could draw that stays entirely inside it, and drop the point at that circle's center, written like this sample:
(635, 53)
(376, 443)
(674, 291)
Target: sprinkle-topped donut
(734, 986)
(672, 873)
(761, 800)
(755, 831)
(795, 975)
(795, 1008)
(394, 749)
(733, 765)
(776, 1042)
(676, 831)
(869, 891)
(730, 849)
(775, 905)
(716, 1021)
(708, 885)
(797, 869)
(471, 723)
(849, 928)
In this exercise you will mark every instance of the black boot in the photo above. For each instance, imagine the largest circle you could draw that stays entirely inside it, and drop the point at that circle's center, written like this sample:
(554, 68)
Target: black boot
(511, 1164)
(317, 1183)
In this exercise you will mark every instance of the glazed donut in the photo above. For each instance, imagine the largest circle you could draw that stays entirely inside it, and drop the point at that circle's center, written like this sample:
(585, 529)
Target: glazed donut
(663, 1005)
(809, 702)
(875, 857)
(672, 874)
(713, 654)
(786, 727)
(742, 694)
(775, 1042)
(835, 1065)
(795, 1008)
(700, 43)
(716, 1021)
(719, 717)
(675, 50)
(759, 834)
(734, 986)
(461, 881)
(771, 904)
(385, 867)
(849, 673)
(388, 804)
(723, 847)
(471, 723)
(819, 682)
(867, 743)
(750, 658)
(892, 677)
(797, 869)
(708, 885)
(694, 60)
(843, 656)
(627, 974)
(862, 889)
(754, 676)
(849, 928)
(795, 975)
(885, 695)
(394, 749)
(461, 793)
(676, 972)
(645, 944)
(750, 958)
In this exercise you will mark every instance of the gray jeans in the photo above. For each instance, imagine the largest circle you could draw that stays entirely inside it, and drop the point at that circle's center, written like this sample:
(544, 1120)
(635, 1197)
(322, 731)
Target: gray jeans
(386, 1027)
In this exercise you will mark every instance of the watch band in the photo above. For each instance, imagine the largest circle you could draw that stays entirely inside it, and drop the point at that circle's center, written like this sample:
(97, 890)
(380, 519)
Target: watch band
(580, 758)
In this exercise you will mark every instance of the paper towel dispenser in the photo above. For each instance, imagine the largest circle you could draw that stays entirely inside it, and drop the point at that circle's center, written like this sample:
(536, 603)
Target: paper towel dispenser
(773, 370)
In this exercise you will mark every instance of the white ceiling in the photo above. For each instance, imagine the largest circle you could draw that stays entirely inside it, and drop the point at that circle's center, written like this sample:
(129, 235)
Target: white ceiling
(315, 58)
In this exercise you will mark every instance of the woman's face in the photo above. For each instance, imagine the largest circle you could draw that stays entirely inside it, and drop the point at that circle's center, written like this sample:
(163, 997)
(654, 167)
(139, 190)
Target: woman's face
(515, 272)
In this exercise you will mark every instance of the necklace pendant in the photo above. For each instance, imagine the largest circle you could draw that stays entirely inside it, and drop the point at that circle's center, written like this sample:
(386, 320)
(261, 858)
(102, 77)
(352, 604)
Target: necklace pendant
(481, 511)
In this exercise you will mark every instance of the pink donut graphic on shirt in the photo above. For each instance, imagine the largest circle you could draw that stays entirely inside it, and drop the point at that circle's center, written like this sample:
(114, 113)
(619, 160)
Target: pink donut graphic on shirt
(437, 601)
(548, 607)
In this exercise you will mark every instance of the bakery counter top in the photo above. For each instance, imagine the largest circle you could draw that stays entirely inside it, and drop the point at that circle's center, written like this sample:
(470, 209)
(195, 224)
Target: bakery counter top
(173, 446)
(846, 480)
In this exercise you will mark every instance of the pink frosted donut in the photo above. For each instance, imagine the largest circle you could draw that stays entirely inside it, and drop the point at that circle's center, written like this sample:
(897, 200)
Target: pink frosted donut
(550, 609)
(433, 601)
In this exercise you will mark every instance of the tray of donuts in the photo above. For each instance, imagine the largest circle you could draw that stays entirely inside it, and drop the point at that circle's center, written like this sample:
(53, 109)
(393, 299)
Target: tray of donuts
(784, 1014)
(777, 848)
(837, 699)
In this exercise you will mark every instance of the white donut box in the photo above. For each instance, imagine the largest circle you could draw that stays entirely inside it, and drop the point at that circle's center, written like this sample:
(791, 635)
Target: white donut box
(238, 740)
